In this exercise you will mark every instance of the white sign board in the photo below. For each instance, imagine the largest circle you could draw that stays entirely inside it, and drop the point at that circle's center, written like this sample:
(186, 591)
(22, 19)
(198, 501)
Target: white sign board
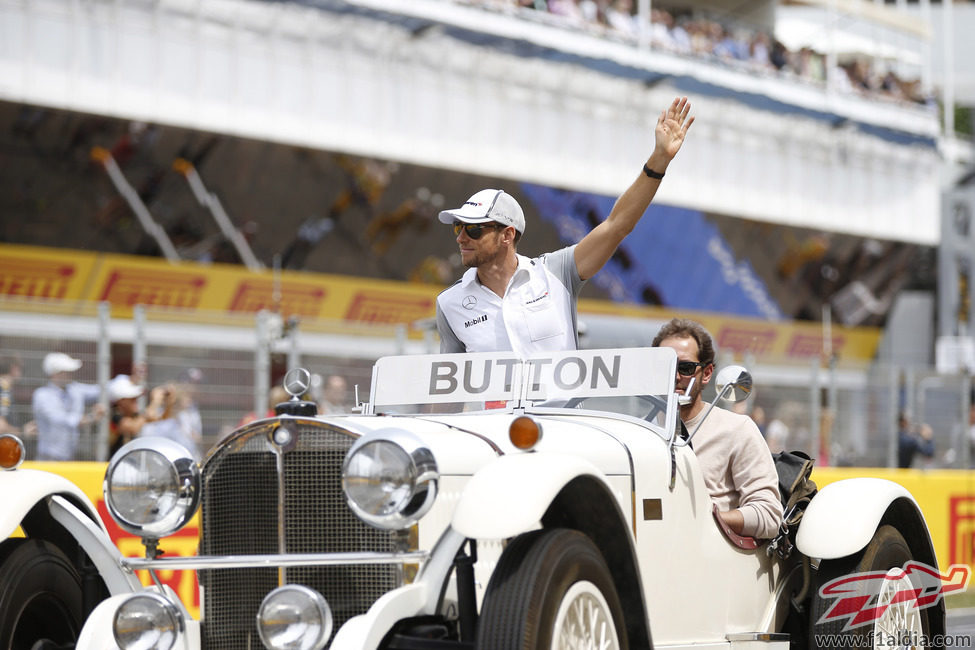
(954, 354)
(500, 376)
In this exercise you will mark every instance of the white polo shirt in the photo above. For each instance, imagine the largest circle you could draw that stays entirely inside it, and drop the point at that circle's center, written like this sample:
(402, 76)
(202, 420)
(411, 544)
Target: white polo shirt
(536, 314)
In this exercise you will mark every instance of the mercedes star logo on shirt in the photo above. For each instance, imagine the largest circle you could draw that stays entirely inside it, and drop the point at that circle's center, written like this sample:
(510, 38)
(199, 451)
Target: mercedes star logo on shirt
(469, 302)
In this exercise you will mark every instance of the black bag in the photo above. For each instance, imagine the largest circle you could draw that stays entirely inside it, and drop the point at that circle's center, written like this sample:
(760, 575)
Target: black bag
(796, 491)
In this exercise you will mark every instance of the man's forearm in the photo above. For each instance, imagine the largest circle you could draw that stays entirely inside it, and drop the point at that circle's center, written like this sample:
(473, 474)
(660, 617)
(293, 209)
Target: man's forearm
(733, 519)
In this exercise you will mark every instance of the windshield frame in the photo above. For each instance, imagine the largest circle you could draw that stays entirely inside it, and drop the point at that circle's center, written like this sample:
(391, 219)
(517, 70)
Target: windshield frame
(432, 385)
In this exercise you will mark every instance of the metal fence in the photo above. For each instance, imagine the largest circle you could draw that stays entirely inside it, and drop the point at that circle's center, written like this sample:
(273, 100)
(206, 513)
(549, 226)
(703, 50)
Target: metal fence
(229, 366)
(851, 418)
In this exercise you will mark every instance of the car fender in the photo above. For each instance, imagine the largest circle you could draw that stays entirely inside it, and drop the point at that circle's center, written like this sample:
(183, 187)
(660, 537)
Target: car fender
(843, 516)
(368, 630)
(22, 489)
(509, 496)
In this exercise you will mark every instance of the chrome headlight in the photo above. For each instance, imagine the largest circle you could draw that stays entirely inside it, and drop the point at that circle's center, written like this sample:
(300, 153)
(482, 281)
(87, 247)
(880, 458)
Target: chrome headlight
(390, 479)
(294, 617)
(152, 487)
(146, 621)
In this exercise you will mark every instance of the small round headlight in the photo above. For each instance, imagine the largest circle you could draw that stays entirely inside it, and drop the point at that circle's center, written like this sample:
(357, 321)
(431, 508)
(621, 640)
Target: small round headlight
(294, 617)
(390, 479)
(146, 621)
(152, 487)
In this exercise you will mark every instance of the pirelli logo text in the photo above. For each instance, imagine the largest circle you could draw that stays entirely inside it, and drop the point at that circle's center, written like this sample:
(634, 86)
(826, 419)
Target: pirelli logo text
(130, 287)
(29, 278)
(961, 530)
(182, 544)
(740, 339)
(809, 345)
(296, 299)
(377, 307)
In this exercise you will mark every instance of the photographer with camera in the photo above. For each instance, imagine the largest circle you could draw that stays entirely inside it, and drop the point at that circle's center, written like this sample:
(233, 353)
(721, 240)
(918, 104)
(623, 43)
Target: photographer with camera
(173, 400)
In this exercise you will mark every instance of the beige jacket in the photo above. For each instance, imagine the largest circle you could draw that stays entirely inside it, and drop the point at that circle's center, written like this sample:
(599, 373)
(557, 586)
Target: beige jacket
(738, 469)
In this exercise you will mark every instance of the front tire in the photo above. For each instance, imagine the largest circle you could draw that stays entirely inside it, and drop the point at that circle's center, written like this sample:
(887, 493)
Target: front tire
(898, 621)
(40, 596)
(551, 590)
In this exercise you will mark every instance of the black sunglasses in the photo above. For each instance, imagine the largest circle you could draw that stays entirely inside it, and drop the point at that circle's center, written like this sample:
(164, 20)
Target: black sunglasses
(688, 368)
(475, 230)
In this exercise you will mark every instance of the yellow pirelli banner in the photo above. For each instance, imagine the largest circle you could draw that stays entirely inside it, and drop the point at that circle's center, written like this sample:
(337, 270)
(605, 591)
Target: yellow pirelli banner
(787, 340)
(125, 281)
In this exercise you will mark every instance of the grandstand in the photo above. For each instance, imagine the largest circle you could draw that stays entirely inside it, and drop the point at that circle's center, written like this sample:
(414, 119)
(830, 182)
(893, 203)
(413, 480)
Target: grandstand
(332, 131)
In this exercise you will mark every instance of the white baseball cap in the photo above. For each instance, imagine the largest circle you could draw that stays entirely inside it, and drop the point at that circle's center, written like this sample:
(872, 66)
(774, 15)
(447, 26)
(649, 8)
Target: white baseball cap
(487, 206)
(57, 362)
(122, 387)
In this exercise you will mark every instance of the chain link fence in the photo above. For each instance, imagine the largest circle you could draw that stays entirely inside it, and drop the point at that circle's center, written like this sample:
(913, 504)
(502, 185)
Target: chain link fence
(852, 419)
(228, 370)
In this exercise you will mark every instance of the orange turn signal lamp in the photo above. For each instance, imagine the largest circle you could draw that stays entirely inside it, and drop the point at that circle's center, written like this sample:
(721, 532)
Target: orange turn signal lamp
(11, 451)
(100, 154)
(524, 432)
(182, 166)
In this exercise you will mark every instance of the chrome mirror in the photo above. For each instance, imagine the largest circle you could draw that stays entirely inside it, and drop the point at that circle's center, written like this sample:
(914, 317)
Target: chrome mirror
(733, 383)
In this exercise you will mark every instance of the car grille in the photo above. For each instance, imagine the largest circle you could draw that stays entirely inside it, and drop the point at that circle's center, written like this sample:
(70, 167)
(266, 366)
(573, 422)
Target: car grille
(239, 516)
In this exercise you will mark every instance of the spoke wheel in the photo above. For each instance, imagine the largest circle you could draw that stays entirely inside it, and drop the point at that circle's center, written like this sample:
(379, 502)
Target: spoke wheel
(898, 623)
(584, 621)
(900, 620)
(551, 590)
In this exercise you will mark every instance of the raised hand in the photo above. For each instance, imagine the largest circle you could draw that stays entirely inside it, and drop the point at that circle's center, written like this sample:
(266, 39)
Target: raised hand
(672, 126)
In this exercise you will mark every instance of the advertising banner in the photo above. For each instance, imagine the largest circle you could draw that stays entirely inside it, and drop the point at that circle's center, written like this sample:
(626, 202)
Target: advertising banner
(124, 281)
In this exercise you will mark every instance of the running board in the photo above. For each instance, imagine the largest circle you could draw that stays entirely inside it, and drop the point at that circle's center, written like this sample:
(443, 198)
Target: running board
(759, 640)
(738, 641)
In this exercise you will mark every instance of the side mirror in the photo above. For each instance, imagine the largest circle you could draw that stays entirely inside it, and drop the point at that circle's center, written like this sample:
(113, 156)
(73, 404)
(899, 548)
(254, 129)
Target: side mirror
(733, 383)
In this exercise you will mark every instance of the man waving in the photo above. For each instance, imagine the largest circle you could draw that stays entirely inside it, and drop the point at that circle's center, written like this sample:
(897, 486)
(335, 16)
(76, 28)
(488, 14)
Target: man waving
(507, 301)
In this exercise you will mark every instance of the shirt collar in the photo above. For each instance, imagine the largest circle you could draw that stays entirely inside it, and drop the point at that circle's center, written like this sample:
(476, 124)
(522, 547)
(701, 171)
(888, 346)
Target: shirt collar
(470, 275)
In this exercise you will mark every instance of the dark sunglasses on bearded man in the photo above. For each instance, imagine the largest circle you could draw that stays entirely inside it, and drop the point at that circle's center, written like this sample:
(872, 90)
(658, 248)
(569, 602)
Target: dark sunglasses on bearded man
(688, 368)
(476, 230)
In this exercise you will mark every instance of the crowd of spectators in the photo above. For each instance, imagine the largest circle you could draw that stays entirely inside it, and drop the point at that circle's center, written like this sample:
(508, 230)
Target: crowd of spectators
(62, 421)
(724, 41)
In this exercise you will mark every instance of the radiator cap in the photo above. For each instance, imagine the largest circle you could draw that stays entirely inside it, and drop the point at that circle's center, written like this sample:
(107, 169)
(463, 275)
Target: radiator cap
(297, 408)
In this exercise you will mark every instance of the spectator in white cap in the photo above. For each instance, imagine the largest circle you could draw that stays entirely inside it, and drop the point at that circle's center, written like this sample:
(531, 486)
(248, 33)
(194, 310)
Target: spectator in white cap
(506, 301)
(60, 408)
(127, 421)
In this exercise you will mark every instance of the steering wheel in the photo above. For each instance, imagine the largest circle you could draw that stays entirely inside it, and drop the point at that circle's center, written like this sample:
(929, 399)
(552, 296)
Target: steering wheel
(657, 405)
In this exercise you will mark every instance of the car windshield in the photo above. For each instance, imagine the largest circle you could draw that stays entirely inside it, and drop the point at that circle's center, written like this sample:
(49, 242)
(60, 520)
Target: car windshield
(629, 381)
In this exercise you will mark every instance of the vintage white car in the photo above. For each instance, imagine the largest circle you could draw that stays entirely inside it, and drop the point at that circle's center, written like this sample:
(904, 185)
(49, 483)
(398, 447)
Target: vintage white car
(484, 501)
